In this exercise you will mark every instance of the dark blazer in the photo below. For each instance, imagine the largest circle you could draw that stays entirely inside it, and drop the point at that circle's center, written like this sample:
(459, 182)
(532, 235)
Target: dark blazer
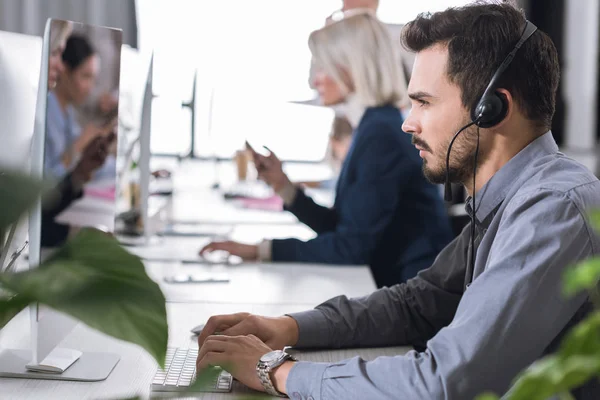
(385, 214)
(56, 201)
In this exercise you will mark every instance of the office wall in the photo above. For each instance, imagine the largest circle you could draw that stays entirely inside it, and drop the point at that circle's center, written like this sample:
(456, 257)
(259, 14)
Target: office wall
(29, 16)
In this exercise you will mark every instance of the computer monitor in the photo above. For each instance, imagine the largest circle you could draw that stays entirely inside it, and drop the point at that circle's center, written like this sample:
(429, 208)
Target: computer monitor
(58, 102)
(20, 58)
(136, 229)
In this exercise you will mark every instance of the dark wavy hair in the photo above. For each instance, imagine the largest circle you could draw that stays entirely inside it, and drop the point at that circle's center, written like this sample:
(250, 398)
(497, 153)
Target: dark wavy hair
(478, 38)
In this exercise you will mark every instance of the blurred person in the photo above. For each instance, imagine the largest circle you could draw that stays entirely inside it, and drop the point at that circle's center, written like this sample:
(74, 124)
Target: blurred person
(59, 32)
(65, 140)
(386, 215)
(406, 58)
(70, 187)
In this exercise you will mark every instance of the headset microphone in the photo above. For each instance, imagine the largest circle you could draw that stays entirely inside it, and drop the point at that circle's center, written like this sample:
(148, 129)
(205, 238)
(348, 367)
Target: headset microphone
(489, 111)
(448, 187)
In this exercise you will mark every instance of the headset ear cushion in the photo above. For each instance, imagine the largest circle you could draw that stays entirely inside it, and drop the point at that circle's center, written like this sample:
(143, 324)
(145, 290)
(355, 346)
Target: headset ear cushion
(493, 109)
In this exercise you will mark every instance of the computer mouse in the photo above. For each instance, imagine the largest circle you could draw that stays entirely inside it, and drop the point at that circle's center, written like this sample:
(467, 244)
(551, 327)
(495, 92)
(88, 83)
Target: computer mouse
(197, 329)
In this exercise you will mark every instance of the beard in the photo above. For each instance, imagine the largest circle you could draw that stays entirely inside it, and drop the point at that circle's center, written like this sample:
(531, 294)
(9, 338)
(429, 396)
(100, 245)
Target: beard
(462, 158)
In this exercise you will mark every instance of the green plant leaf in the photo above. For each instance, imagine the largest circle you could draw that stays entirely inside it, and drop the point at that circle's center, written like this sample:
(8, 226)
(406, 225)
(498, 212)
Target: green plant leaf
(583, 339)
(95, 280)
(204, 379)
(595, 219)
(487, 396)
(554, 375)
(10, 305)
(583, 276)
(19, 193)
(577, 361)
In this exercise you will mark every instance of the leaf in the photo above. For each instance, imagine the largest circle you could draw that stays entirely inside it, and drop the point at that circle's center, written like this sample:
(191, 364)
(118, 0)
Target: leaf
(554, 375)
(577, 361)
(595, 220)
(487, 396)
(94, 279)
(583, 276)
(19, 193)
(583, 339)
(10, 306)
(204, 379)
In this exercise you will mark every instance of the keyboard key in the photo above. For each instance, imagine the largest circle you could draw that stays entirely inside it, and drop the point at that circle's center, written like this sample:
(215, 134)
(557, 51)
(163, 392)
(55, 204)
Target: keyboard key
(180, 372)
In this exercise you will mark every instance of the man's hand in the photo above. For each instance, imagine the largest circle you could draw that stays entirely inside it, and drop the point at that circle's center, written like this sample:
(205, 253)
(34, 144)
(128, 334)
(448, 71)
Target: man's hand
(238, 355)
(276, 332)
(245, 251)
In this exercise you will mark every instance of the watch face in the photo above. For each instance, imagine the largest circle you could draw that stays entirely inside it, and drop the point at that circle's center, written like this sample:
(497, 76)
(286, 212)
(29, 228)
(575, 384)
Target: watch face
(272, 356)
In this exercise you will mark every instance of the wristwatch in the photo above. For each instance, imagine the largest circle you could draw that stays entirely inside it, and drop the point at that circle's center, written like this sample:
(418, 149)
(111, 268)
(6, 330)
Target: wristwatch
(266, 364)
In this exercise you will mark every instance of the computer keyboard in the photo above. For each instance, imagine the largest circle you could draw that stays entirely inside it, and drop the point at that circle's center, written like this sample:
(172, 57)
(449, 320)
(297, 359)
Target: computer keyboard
(180, 373)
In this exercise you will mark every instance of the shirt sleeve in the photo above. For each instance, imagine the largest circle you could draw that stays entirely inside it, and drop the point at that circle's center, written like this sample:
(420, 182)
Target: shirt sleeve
(53, 149)
(264, 251)
(404, 314)
(506, 319)
(370, 203)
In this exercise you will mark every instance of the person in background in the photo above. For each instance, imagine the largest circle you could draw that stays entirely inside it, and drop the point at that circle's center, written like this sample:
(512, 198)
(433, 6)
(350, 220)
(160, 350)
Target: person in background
(65, 140)
(70, 187)
(406, 58)
(385, 215)
(475, 329)
(340, 141)
(59, 32)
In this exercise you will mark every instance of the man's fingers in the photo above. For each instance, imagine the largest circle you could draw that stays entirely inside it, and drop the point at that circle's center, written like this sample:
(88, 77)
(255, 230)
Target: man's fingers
(219, 323)
(212, 344)
(211, 359)
(245, 327)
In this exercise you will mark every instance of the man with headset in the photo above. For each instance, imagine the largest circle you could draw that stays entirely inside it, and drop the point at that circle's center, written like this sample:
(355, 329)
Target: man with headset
(483, 91)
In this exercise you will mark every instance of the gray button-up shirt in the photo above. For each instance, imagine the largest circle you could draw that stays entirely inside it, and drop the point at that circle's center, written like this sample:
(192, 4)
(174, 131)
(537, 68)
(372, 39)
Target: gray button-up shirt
(531, 225)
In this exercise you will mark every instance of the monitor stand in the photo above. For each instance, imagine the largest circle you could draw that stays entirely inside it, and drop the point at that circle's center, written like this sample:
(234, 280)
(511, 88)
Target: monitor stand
(88, 367)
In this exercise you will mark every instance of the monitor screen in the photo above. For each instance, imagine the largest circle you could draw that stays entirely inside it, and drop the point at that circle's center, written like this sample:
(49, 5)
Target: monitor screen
(81, 130)
(20, 59)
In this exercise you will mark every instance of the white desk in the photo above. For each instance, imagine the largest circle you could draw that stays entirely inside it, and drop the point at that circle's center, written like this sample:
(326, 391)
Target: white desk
(195, 201)
(134, 372)
(264, 283)
(206, 205)
(268, 289)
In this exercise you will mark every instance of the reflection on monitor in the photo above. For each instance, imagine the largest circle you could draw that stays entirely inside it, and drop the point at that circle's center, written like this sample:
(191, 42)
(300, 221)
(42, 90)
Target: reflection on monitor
(80, 143)
(73, 148)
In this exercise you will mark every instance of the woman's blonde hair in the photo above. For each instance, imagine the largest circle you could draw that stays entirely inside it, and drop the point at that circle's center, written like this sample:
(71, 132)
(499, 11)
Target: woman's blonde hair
(357, 51)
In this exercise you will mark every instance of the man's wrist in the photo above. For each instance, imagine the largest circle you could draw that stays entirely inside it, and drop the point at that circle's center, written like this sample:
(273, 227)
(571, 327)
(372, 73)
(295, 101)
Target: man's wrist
(279, 376)
(292, 330)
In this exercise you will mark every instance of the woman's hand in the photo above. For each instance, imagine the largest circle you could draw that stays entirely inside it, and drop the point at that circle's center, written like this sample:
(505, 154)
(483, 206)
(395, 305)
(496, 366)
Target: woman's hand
(270, 169)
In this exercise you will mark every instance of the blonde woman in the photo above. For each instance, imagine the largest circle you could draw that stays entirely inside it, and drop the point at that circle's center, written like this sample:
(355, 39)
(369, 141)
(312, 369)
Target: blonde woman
(385, 214)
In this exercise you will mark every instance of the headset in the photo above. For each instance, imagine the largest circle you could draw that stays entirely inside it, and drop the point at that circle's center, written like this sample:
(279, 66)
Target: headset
(492, 107)
(489, 111)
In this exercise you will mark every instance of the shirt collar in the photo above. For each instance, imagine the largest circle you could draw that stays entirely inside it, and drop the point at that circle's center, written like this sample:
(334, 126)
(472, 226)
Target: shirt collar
(493, 193)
